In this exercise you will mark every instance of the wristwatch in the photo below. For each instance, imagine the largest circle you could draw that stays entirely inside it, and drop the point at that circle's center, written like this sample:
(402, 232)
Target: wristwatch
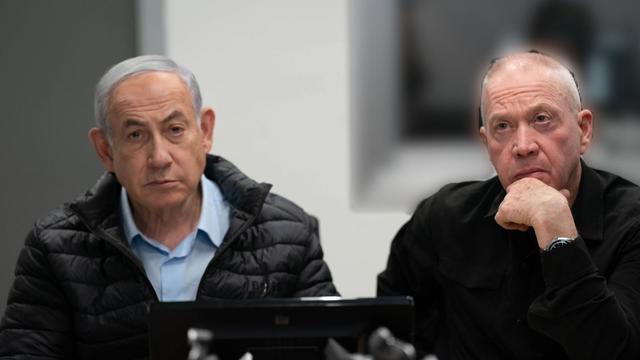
(558, 243)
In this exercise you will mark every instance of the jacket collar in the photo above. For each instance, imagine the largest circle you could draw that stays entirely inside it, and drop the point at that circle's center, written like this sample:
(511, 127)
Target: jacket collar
(238, 189)
(98, 206)
(586, 210)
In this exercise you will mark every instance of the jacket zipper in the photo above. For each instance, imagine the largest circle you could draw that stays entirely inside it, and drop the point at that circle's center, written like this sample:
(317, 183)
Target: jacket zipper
(225, 245)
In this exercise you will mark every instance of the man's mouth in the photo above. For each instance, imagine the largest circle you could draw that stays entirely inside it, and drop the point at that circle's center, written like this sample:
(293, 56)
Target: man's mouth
(160, 182)
(528, 172)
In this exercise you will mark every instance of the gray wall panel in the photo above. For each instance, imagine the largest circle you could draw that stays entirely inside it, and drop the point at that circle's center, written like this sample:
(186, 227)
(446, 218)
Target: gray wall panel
(51, 55)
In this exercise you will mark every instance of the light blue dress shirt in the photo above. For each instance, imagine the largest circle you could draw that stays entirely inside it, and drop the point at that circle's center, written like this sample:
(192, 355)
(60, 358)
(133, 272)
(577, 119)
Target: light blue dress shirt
(175, 275)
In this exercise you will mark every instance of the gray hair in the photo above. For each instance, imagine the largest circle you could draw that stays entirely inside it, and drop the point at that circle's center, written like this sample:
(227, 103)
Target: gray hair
(136, 66)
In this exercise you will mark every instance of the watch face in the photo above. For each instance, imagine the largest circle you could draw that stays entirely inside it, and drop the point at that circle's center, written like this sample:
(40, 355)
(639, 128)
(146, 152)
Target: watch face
(559, 243)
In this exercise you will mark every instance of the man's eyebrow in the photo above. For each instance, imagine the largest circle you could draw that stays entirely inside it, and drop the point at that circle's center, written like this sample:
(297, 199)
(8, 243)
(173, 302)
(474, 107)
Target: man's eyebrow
(495, 116)
(175, 114)
(543, 106)
(135, 122)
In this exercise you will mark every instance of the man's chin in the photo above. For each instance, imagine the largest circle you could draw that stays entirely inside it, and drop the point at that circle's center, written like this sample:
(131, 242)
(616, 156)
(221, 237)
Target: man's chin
(164, 204)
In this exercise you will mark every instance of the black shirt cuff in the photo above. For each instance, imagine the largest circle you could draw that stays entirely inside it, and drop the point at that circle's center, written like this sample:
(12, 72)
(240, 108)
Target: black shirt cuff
(566, 264)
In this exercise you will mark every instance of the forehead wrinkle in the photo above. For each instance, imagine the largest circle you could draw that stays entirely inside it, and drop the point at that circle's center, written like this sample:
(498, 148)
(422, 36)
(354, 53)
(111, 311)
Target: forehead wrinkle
(515, 94)
(497, 95)
(125, 104)
(148, 90)
(125, 107)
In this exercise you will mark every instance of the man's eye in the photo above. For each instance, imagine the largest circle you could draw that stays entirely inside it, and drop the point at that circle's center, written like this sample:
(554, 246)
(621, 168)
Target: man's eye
(541, 118)
(176, 130)
(501, 126)
(135, 135)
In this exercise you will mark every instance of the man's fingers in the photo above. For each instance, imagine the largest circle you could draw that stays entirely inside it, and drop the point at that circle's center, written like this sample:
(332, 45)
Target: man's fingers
(509, 225)
(566, 193)
(519, 227)
(513, 226)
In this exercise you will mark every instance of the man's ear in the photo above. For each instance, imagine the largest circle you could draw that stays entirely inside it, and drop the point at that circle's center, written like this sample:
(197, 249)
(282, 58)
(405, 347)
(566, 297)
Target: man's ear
(483, 135)
(207, 123)
(102, 147)
(585, 122)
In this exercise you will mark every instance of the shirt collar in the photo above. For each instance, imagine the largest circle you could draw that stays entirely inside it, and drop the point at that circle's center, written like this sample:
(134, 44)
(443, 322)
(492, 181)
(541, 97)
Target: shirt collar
(587, 208)
(212, 199)
(500, 194)
(129, 226)
(208, 222)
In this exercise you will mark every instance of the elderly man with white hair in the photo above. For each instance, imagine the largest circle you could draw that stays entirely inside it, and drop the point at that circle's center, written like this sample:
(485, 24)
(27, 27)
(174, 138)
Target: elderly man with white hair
(166, 222)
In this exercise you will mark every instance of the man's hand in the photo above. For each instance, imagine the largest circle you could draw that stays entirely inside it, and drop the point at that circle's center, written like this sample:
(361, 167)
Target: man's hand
(530, 202)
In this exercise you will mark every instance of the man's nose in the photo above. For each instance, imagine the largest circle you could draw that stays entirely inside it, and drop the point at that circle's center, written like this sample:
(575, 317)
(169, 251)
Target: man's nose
(524, 143)
(159, 155)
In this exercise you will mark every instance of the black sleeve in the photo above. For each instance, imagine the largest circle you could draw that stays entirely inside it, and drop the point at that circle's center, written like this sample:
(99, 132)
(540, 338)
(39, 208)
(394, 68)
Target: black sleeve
(410, 271)
(315, 277)
(37, 320)
(590, 316)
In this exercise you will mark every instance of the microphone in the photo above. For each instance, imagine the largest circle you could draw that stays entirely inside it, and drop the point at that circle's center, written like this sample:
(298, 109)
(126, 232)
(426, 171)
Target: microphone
(384, 346)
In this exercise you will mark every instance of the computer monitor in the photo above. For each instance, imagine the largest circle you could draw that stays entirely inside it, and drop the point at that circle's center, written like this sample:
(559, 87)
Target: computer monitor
(276, 328)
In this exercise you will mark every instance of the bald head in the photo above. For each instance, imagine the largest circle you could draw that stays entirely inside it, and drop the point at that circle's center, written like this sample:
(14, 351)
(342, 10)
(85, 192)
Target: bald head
(530, 66)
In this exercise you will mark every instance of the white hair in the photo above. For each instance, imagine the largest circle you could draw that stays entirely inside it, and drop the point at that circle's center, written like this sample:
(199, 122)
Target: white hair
(135, 66)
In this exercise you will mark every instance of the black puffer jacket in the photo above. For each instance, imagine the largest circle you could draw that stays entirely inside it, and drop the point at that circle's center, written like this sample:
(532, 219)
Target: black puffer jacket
(80, 292)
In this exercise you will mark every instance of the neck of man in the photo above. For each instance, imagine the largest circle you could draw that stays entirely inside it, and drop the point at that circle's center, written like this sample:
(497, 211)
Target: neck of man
(169, 225)
(574, 183)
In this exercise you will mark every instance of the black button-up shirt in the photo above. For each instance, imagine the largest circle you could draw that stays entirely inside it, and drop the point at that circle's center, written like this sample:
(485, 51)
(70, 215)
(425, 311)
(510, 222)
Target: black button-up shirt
(484, 292)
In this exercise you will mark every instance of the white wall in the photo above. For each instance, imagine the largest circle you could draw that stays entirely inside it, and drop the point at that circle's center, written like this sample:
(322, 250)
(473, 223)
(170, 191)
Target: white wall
(276, 72)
